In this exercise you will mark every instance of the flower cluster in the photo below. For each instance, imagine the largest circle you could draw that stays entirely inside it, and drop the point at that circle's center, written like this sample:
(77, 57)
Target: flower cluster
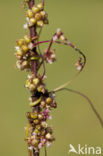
(24, 53)
(35, 84)
(38, 133)
(36, 16)
(49, 56)
(59, 35)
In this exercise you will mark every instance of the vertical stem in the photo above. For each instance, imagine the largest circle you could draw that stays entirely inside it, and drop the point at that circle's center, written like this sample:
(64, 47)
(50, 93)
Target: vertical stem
(33, 33)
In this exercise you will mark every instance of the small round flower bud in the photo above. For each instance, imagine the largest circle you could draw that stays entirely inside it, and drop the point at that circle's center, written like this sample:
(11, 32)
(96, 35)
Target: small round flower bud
(43, 104)
(24, 64)
(40, 23)
(38, 127)
(40, 117)
(40, 6)
(35, 142)
(36, 81)
(62, 37)
(29, 13)
(59, 32)
(35, 9)
(32, 21)
(34, 116)
(41, 89)
(31, 87)
(19, 52)
(27, 39)
(44, 124)
(36, 122)
(43, 14)
(38, 16)
(48, 136)
(20, 42)
(25, 48)
(36, 131)
(48, 100)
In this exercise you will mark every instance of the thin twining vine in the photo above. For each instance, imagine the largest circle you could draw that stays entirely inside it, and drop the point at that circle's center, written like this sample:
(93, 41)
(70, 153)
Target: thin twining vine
(31, 57)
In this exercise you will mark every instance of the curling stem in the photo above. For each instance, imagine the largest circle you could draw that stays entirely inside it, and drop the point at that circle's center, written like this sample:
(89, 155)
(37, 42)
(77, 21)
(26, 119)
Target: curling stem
(89, 101)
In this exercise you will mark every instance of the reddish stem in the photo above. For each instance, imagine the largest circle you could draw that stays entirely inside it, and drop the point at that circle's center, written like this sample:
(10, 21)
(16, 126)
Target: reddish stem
(63, 43)
(33, 33)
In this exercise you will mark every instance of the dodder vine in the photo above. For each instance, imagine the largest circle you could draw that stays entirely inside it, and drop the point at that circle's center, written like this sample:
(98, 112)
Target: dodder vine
(38, 133)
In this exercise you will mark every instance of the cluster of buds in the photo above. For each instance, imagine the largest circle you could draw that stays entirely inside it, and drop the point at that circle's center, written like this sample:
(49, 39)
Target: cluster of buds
(35, 84)
(59, 35)
(38, 133)
(36, 16)
(49, 56)
(24, 53)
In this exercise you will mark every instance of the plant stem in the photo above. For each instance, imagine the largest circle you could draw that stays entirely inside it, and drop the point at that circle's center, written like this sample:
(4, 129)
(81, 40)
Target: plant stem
(89, 101)
(33, 33)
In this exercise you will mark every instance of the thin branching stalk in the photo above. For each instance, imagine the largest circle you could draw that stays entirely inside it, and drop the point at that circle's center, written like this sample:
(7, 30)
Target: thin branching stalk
(31, 58)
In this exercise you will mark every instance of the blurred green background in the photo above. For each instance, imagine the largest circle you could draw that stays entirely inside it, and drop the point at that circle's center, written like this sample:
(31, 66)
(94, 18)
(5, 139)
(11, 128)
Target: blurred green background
(73, 120)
